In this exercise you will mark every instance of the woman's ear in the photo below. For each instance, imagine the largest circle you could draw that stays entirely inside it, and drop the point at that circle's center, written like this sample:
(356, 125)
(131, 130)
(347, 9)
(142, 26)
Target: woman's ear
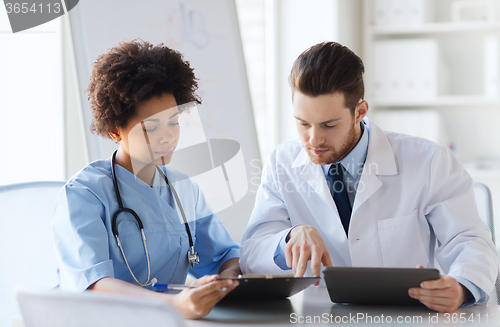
(115, 135)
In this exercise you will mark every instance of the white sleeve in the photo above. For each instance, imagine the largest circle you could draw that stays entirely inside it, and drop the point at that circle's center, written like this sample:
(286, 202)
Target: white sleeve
(267, 225)
(465, 247)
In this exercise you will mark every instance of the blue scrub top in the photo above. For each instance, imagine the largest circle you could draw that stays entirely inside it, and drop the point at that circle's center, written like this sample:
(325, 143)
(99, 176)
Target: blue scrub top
(87, 249)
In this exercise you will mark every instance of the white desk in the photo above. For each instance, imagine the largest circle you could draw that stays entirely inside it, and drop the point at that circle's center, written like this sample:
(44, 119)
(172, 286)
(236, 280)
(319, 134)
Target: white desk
(314, 303)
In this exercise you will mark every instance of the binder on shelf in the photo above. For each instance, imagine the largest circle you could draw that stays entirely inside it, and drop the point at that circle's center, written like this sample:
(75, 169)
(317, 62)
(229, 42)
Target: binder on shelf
(474, 11)
(382, 13)
(420, 123)
(406, 69)
(492, 67)
(401, 12)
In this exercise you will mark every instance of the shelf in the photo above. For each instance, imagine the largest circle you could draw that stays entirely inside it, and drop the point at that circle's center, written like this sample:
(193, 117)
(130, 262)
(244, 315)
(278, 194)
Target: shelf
(441, 101)
(433, 28)
(463, 71)
(479, 173)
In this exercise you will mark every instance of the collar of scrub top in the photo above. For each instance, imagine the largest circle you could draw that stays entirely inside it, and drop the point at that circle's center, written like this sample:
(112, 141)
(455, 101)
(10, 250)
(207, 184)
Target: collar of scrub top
(356, 158)
(193, 256)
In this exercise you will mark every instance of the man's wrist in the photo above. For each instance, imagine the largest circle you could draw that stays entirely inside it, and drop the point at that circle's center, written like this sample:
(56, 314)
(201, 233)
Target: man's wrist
(289, 235)
(467, 294)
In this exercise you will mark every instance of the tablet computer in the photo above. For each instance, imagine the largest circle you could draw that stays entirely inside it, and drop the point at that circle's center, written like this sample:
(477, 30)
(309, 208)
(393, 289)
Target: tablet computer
(387, 286)
(254, 287)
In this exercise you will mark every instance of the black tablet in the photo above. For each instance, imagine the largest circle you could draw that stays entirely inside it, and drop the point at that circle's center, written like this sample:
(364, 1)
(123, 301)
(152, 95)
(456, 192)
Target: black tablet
(254, 287)
(387, 286)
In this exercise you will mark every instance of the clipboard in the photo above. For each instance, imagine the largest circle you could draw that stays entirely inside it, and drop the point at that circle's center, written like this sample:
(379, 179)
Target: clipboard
(259, 287)
(385, 286)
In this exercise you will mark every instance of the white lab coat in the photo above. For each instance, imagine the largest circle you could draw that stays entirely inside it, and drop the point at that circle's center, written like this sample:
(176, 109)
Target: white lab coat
(412, 192)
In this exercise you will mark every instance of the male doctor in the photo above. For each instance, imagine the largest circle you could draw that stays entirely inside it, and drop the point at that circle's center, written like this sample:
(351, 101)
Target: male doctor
(349, 194)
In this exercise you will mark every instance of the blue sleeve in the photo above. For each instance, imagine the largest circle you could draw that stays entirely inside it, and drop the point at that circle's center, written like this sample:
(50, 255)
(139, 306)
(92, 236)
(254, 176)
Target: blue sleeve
(476, 291)
(213, 242)
(80, 239)
(279, 254)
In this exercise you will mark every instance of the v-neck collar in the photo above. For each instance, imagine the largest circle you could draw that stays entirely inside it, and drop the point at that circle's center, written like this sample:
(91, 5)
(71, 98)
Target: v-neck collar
(125, 177)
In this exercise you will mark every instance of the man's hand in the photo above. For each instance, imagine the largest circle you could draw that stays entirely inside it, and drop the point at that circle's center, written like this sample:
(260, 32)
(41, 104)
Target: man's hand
(195, 303)
(445, 294)
(305, 244)
(230, 268)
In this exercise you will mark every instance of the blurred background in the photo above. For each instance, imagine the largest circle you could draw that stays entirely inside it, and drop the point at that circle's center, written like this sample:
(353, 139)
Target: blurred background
(432, 70)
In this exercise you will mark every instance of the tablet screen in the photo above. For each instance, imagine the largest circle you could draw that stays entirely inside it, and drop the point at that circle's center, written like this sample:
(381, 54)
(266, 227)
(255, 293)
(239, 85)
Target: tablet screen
(253, 287)
(388, 286)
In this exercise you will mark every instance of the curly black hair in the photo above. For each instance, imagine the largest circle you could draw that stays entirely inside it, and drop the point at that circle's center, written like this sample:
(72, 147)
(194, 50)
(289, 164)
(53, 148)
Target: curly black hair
(133, 72)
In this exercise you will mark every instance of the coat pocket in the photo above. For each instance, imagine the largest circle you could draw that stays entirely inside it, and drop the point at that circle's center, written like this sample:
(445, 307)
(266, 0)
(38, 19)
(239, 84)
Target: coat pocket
(401, 242)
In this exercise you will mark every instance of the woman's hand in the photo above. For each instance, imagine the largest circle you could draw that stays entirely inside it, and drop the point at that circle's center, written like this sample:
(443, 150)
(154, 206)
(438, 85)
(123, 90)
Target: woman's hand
(195, 303)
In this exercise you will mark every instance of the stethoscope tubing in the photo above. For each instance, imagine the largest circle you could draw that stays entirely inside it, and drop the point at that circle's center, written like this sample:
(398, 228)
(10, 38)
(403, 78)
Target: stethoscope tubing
(192, 256)
(178, 201)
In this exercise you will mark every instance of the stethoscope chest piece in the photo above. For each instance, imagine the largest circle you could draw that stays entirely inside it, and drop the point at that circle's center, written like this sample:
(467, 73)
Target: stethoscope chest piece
(193, 257)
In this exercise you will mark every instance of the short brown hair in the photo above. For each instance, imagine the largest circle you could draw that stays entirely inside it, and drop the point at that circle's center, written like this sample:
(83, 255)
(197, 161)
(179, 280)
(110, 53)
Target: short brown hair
(132, 72)
(326, 68)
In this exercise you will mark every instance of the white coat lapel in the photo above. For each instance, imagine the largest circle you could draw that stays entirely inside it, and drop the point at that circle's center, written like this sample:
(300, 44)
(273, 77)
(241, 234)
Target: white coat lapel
(314, 176)
(324, 211)
(379, 161)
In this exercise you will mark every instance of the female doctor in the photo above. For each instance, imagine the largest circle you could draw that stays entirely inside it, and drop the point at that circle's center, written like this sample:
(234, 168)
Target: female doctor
(124, 223)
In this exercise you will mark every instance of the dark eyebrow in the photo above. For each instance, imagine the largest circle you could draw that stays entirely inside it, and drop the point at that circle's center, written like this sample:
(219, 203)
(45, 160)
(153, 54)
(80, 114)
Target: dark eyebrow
(325, 122)
(330, 121)
(157, 120)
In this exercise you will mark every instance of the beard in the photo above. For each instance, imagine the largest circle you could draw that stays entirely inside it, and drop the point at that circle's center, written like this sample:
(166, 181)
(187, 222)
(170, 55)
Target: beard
(334, 155)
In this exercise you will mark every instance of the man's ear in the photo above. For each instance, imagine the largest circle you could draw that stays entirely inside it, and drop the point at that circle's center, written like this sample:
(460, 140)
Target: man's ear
(361, 110)
(115, 135)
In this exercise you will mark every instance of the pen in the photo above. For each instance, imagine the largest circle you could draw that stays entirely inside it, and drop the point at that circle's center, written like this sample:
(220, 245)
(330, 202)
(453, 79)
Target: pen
(170, 287)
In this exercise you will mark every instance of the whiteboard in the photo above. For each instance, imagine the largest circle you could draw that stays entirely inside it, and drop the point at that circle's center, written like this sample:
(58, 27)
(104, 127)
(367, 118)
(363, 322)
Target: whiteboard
(207, 33)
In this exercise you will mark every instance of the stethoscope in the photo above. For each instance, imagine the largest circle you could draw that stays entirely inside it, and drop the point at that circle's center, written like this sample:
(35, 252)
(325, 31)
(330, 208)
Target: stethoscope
(193, 257)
